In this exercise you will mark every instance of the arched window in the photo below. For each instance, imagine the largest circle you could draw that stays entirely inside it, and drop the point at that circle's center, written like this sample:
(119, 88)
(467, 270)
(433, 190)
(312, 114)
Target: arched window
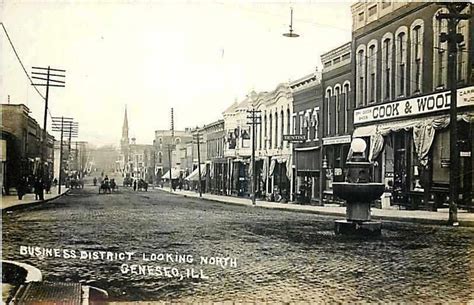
(401, 60)
(337, 101)
(416, 55)
(265, 137)
(276, 130)
(260, 135)
(282, 126)
(360, 76)
(270, 131)
(440, 52)
(160, 141)
(372, 72)
(288, 125)
(387, 46)
(328, 109)
(178, 140)
(463, 51)
(160, 157)
(346, 91)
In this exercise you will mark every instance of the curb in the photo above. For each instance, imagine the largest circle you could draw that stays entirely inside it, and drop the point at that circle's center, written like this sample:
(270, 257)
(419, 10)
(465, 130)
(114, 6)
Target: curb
(35, 203)
(462, 223)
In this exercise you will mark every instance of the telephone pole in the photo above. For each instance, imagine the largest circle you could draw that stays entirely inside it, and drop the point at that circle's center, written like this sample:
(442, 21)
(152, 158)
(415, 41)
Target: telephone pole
(169, 149)
(255, 119)
(60, 124)
(198, 140)
(40, 73)
(453, 39)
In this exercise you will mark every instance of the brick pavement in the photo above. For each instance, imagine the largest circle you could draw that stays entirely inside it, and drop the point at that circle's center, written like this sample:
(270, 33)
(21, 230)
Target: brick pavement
(440, 217)
(282, 257)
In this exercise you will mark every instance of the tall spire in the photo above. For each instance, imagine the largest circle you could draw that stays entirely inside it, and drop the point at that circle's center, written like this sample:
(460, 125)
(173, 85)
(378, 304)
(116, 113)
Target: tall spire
(125, 127)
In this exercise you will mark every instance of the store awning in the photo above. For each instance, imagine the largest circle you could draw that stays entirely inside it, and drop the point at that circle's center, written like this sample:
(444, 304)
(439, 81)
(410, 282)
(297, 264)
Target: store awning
(194, 176)
(175, 172)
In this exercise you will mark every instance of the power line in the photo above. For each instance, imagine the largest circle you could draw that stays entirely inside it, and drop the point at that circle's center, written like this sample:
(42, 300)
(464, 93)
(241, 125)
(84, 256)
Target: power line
(19, 60)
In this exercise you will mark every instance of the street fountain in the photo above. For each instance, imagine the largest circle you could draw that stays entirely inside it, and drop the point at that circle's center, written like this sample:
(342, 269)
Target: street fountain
(359, 192)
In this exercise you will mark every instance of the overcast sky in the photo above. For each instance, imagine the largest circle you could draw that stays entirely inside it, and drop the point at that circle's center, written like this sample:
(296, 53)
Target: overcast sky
(198, 57)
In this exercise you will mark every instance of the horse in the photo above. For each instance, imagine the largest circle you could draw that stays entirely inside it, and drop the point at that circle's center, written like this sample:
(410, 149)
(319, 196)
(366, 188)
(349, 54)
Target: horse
(105, 186)
(142, 185)
(113, 185)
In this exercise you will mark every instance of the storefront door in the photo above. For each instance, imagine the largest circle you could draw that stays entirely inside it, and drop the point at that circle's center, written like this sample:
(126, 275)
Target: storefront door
(401, 155)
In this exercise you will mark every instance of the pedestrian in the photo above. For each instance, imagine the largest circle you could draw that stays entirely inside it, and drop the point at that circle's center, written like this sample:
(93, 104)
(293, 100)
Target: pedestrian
(21, 187)
(55, 182)
(47, 186)
(135, 185)
(39, 189)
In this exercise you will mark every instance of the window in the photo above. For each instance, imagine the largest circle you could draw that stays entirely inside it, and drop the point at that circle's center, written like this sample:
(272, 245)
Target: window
(463, 52)
(416, 56)
(346, 106)
(385, 4)
(400, 59)
(288, 130)
(360, 75)
(282, 126)
(294, 123)
(260, 135)
(328, 109)
(265, 131)
(178, 140)
(361, 16)
(372, 10)
(386, 67)
(372, 68)
(276, 130)
(327, 64)
(336, 60)
(315, 122)
(346, 56)
(337, 95)
(270, 131)
(160, 157)
(440, 59)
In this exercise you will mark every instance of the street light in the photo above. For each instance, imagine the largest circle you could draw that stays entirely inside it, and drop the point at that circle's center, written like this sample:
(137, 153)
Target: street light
(290, 33)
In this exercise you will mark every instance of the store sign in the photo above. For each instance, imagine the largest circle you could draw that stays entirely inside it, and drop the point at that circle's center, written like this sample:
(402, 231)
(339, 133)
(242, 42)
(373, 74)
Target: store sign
(294, 137)
(337, 140)
(465, 153)
(414, 106)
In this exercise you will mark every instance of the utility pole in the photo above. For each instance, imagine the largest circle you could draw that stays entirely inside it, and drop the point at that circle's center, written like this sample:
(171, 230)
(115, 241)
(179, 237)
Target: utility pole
(169, 149)
(453, 38)
(198, 140)
(255, 119)
(50, 82)
(59, 125)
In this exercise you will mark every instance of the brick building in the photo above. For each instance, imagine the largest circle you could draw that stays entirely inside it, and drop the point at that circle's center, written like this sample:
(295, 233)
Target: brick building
(402, 101)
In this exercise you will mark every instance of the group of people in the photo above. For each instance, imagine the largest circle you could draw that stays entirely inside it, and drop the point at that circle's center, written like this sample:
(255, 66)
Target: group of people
(39, 185)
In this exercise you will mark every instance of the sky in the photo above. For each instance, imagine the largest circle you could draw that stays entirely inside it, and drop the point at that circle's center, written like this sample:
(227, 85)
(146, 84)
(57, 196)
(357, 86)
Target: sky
(195, 56)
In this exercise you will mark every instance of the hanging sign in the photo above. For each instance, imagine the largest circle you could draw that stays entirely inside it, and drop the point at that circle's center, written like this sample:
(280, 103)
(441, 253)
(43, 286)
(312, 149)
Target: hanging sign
(414, 106)
(294, 137)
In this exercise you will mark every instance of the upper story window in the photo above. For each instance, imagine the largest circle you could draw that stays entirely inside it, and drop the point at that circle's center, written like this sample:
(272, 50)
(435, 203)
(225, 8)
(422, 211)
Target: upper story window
(327, 64)
(337, 97)
(346, 56)
(372, 74)
(160, 157)
(386, 3)
(361, 17)
(178, 140)
(416, 56)
(387, 46)
(440, 58)
(328, 109)
(372, 10)
(463, 52)
(400, 60)
(315, 122)
(346, 92)
(360, 76)
(336, 60)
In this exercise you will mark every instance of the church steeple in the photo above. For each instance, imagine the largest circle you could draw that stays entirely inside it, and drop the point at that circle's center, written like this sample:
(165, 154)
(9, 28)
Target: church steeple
(125, 128)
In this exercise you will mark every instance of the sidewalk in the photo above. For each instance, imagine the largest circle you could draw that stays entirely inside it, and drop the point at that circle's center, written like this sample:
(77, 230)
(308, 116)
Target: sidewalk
(418, 216)
(11, 202)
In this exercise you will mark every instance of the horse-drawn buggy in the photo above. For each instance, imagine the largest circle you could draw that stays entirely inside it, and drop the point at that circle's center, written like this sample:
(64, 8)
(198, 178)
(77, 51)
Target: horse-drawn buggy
(142, 185)
(127, 181)
(107, 186)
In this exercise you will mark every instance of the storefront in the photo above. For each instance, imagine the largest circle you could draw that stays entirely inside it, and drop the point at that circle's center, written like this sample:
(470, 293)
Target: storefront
(412, 156)
(335, 152)
(307, 164)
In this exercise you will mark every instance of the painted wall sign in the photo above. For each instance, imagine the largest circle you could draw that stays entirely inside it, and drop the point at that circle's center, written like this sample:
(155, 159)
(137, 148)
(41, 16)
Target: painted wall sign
(413, 106)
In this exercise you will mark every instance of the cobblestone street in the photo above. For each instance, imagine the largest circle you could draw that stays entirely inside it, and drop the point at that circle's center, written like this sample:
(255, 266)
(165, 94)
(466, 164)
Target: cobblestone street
(281, 256)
